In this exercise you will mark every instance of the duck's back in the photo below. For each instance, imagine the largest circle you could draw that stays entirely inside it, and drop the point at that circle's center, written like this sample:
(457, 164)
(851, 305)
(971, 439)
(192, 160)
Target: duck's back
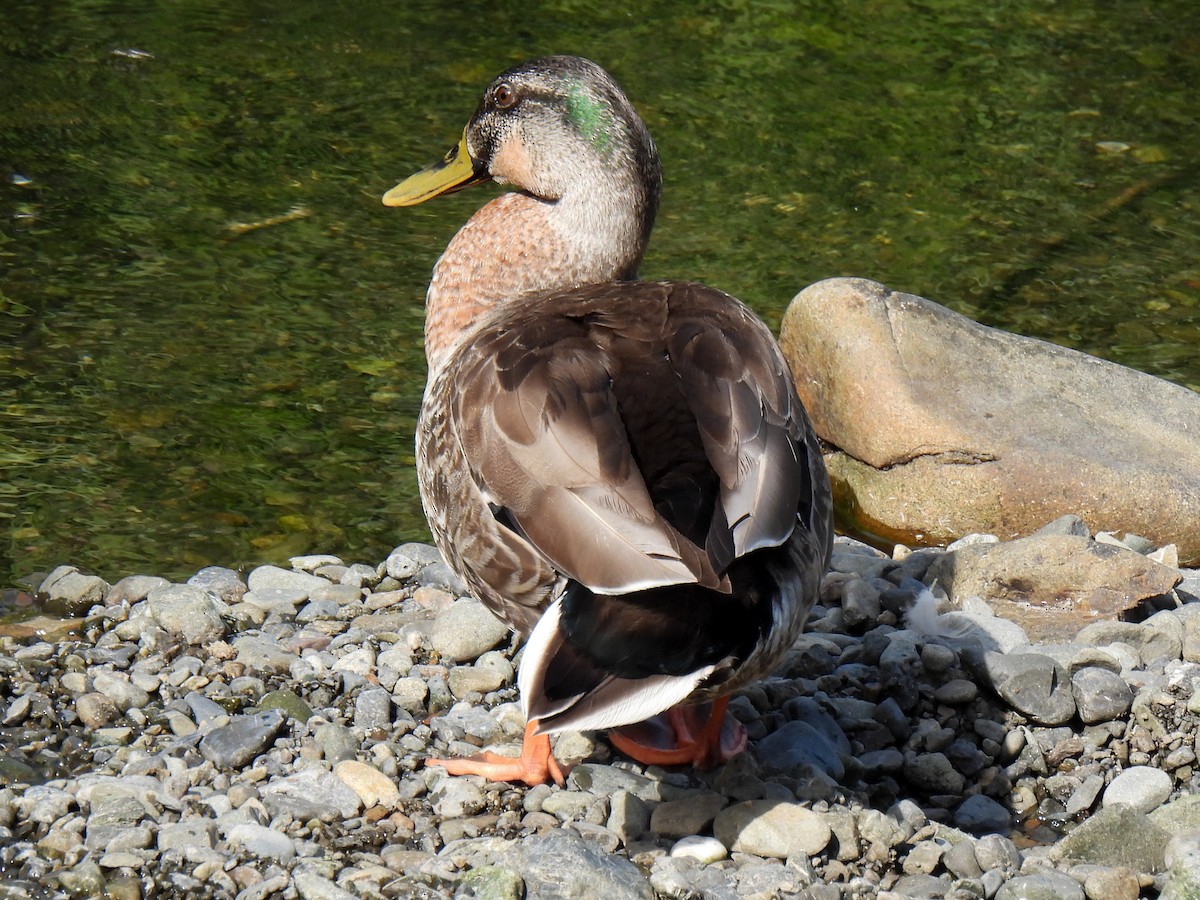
(626, 437)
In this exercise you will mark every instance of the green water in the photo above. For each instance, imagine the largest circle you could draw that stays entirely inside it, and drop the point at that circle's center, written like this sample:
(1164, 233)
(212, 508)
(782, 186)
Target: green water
(177, 389)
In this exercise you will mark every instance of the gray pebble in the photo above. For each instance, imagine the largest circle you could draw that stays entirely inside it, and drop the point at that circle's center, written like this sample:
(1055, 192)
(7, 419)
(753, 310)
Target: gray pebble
(933, 772)
(1100, 695)
(67, 591)
(224, 583)
(1141, 788)
(187, 611)
(185, 835)
(995, 852)
(1033, 684)
(245, 737)
(311, 794)
(465, 630)
(980, 814)
(1048, 885)
(373, 710)
(261, 842)
(563, 864)
(797, 745)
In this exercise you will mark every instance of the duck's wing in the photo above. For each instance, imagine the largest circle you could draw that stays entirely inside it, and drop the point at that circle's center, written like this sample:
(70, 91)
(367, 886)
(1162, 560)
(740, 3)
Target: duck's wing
(537, 413)
(580, 418)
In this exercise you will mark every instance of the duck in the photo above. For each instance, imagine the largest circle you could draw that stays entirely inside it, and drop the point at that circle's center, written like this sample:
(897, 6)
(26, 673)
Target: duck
(621, 470)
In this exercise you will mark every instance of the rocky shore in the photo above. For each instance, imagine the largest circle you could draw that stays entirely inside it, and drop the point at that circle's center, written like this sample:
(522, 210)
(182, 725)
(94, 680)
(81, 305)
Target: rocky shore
(262, 736)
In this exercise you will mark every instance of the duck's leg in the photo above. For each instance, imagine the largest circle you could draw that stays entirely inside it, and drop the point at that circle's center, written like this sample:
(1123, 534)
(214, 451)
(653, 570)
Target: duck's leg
(535, 765)
(702, 735)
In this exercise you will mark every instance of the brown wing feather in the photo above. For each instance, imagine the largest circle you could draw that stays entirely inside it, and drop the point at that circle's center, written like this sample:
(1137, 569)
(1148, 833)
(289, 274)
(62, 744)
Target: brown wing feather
(548, 441)
(564, 434)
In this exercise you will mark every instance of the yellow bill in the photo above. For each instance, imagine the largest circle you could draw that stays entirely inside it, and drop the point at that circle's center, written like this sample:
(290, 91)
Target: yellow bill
(454, 172)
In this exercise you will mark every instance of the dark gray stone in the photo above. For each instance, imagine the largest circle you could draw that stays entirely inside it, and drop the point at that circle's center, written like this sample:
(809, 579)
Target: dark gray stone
(1032, 684)
(235, 745)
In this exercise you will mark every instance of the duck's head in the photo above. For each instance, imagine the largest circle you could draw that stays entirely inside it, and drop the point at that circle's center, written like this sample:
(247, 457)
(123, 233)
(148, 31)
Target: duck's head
(557, 128)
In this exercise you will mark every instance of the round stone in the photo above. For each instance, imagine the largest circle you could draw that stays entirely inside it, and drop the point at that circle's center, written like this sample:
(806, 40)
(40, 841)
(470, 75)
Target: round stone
(1100, 694)
(1143, 788)
(701, 848)
(772, 828)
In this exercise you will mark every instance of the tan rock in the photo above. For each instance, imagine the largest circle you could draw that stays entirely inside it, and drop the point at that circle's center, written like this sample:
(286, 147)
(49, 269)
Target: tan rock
(942, 427)
(772, 828)
(1052, 585)
(372, 786)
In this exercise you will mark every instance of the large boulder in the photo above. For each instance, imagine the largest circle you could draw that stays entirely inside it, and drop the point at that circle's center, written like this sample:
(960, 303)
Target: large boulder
(940, 427)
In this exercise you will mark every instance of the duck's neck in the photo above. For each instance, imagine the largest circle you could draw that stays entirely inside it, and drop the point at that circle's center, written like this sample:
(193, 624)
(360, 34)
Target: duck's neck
(519, 246)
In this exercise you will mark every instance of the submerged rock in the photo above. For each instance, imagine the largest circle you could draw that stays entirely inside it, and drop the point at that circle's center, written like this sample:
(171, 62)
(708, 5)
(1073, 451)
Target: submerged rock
(942, 427)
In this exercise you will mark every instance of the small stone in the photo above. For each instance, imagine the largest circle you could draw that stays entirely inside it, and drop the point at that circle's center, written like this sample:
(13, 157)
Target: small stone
(465, 630)
(687, 816)
(465, 680)
(267, 578)
(114, 808)
(454, 797)
(410, 693)
(995, 852)
(261, 653)
(262, 841)
(373, 710)
(772, 828)
(1106, 883)
(287, 702)
(934, 773)
(372, 786)
(1141, 788)
(223, 583)
(1046, 885)
(797, 745)
(1033, 684)
(1085, 795)
(1100, 695)
(563, 864)
(860, 604)
(69, 592)
(118, 688)
(400, 565)
(698, 847)
(491, 883)
(360, 661)
(133, 589)
(311, 794)
(83, 879)
(923, 858)
(629, 816)
(188, 611)
(956, 692)
(96, 710)
(937, 658)
(980, 815)
(960, 860)
(1151, 643)
(183, 835)
(235, 745)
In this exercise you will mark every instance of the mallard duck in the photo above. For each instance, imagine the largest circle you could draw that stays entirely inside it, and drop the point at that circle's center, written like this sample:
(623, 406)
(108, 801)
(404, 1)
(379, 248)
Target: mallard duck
(619, 469)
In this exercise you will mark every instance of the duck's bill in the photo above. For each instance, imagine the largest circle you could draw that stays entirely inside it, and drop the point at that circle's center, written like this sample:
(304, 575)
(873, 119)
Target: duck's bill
(455, 172)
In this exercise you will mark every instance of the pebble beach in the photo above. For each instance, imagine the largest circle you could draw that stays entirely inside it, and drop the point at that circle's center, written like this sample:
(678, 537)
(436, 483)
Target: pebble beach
(263, 735)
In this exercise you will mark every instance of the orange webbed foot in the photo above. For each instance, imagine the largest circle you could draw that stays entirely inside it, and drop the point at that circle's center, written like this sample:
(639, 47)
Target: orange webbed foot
(702, 735)
(536, 764)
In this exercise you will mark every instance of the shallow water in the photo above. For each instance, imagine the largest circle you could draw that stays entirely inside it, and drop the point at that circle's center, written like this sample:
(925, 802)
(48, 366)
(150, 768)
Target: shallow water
(210, 328)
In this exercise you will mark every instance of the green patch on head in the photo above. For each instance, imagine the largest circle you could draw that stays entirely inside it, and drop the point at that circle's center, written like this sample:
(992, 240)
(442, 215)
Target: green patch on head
(590, 116)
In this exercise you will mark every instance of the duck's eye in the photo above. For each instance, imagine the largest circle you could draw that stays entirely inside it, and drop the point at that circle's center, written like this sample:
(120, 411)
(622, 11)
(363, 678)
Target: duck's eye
(504, 96)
